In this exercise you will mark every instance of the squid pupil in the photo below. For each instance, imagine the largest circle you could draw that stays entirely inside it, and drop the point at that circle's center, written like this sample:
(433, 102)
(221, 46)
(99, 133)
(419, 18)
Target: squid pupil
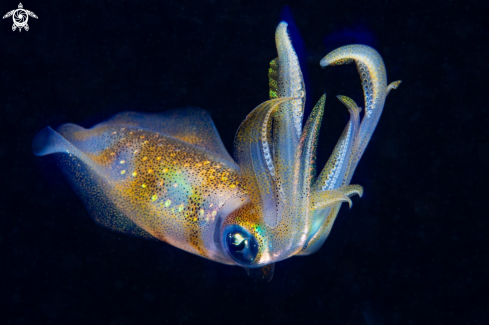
(238, 242)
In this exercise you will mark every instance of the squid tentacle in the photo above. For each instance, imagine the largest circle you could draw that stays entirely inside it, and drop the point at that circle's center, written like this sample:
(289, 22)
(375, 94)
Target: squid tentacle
(287, 121)
(339, 163)
(258, 179)
(393, 85)
(322, 199)
(305, 168)
(374, 83)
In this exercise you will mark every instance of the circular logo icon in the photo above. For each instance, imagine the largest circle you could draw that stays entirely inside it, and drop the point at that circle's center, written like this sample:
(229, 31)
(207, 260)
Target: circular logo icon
(20, 18)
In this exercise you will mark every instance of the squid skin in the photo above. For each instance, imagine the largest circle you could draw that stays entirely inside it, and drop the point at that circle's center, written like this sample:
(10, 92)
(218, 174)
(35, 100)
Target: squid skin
(168, 176)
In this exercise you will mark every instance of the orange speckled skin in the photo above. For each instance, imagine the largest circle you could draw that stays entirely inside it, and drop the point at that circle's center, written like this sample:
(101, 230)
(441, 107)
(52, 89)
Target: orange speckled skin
(166, 188)
(175, 190)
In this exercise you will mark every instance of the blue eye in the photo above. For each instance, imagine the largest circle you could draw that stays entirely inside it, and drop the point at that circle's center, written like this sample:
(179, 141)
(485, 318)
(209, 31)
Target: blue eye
(240, 244)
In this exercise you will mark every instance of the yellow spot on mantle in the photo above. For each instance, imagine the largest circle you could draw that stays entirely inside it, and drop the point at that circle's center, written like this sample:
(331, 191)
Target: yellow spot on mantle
(167, 203)
(143, 186)
(154, 197)
(123, 172)
(122, 161)
(134, 174)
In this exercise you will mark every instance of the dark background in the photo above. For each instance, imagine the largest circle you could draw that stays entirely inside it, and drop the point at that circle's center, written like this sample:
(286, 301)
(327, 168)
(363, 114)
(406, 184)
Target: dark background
(413, 250)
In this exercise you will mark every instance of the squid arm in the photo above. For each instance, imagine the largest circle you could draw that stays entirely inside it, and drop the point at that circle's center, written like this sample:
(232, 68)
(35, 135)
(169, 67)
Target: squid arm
(322, 199)
(372, 72)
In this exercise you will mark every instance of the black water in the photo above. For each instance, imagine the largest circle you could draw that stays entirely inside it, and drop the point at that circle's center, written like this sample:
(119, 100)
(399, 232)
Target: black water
(413, 250)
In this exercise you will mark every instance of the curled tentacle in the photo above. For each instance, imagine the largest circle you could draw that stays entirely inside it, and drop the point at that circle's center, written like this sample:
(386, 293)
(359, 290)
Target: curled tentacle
(393, 85)
(374, 83)
(322, 199)
(350, 190)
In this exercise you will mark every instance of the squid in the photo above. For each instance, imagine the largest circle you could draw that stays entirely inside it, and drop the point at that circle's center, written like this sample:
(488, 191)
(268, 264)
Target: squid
(168, 176)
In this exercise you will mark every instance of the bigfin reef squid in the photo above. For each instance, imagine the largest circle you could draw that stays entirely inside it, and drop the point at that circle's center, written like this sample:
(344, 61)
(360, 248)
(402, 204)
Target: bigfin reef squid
(168, 176)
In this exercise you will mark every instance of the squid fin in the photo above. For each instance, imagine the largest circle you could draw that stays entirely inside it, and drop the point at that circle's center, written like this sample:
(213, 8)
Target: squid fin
(192, 125)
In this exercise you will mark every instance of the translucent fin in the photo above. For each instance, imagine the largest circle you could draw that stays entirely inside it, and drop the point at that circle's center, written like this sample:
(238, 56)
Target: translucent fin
(262, 274)
(85, 180)
(273, 79)
(252, 155)
(192, 125)
(134, 180)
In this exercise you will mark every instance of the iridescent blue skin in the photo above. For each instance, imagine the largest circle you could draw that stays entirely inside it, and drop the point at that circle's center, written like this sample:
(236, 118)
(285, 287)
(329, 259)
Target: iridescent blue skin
(167, 176)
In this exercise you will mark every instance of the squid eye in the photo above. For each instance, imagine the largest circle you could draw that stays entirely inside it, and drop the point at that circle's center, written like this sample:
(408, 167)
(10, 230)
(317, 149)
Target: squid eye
(240, 244)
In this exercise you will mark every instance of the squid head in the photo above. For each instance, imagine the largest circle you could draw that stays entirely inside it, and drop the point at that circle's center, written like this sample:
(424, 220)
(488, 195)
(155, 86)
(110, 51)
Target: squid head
(291, 211)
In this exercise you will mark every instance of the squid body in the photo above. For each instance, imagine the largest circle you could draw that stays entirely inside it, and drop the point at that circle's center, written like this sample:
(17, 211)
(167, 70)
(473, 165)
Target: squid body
(168, 176)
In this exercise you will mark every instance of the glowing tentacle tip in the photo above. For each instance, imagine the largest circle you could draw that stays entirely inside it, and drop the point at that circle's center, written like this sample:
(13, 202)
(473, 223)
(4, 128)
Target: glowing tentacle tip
(393, 85)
